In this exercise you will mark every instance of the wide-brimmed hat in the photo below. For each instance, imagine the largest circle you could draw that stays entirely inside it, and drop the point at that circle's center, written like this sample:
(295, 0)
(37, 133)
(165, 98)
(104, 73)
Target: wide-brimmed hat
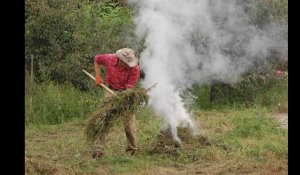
(128, 56)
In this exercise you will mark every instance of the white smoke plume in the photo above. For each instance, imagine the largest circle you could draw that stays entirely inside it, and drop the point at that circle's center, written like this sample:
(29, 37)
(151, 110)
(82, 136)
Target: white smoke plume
(195, 41)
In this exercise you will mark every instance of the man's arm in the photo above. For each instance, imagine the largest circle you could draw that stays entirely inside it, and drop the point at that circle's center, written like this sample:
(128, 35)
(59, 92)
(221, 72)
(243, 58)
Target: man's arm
(97, 72)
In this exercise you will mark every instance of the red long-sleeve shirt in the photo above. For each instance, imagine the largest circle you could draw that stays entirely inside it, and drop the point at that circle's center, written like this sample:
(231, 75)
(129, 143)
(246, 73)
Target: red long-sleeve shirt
(117, 77)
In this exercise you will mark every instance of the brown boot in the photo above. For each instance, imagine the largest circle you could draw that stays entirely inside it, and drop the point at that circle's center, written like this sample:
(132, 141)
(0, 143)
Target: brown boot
(98, 153)
(131, 151)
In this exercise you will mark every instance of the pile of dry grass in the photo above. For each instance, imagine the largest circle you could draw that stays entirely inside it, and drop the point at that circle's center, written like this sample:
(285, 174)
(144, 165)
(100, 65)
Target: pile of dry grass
(34, 165)
(122, 105)
(166, 145)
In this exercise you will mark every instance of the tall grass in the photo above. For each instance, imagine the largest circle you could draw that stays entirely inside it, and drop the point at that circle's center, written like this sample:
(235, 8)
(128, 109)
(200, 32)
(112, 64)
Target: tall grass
(264, 90)
(54, 104)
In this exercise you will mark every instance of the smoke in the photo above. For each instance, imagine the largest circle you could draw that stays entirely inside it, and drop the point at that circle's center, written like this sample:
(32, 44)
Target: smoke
(196, 41)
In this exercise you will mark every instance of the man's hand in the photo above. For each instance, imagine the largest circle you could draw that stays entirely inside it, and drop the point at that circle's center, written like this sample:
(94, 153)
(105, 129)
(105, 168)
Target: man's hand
(98, 80)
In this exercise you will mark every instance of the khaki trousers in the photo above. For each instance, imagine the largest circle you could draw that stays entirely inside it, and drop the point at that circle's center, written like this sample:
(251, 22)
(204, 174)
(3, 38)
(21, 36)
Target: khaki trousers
(130, 131)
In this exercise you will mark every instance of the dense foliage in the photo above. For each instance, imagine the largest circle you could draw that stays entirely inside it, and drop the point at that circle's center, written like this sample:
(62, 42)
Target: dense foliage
(63, 36)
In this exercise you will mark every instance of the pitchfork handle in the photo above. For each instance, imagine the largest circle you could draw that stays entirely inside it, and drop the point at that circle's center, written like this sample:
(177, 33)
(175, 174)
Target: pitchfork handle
(105, 87)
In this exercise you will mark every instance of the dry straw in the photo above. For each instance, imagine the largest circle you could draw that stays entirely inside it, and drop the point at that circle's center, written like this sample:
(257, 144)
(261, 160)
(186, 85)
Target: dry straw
(121, 105)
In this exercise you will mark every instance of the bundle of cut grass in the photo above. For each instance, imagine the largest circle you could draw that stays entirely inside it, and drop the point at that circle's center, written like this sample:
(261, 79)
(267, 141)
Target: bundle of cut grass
(122, 105)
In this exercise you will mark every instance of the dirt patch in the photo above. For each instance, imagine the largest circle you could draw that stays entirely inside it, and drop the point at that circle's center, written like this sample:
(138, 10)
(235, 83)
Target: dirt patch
(166, 145)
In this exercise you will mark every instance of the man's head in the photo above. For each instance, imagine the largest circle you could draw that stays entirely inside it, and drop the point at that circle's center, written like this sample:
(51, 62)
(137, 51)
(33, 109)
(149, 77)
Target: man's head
(127, 56)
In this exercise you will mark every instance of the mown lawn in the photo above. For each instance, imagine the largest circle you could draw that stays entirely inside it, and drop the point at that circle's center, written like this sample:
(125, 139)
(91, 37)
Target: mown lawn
(242, 141)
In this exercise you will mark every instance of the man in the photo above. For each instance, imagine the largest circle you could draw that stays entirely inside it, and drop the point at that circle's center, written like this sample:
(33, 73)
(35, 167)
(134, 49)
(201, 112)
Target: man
(122, 72)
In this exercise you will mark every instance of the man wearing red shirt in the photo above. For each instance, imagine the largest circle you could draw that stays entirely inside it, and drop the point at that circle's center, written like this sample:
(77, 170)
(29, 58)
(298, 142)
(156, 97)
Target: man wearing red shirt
(121, 72)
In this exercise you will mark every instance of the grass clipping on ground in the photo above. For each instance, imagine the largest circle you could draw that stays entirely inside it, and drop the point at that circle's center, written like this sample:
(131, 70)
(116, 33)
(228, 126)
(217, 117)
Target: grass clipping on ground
(167, 146)
(123, 104)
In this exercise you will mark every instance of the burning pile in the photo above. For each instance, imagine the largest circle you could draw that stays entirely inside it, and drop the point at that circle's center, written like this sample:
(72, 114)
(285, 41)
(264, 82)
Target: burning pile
(166, 145)
(121, 105)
